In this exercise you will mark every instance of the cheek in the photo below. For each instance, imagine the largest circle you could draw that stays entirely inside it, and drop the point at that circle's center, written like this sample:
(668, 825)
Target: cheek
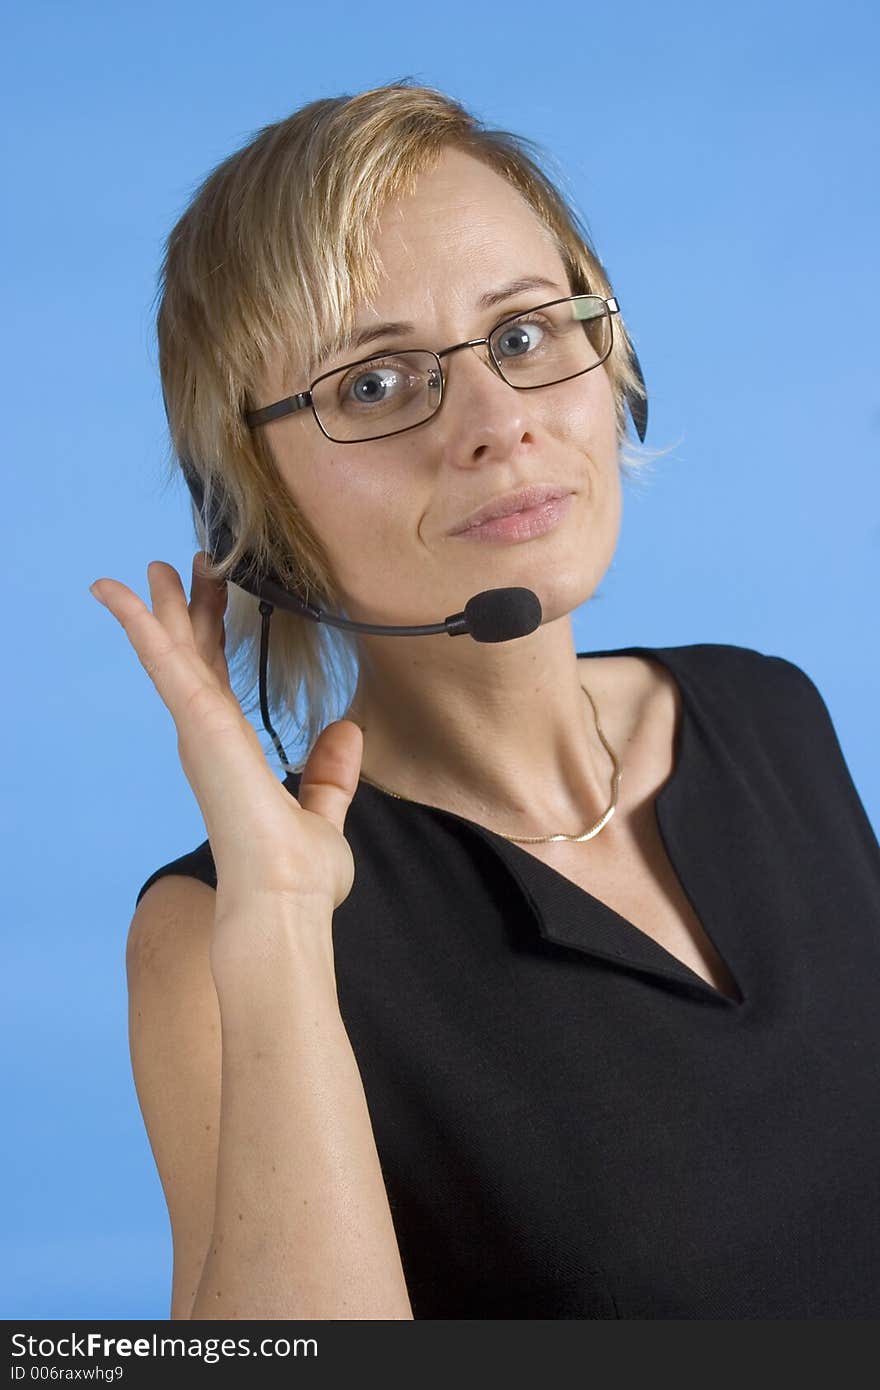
(364, 515)
(341, 493)
(363, 494)
(584, 411)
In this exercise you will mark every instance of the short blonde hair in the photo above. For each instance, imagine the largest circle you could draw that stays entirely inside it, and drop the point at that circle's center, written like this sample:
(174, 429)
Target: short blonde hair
(272, 257)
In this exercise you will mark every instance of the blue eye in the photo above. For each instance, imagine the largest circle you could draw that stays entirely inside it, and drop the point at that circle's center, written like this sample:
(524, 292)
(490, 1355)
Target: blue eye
(518, 339)
(373, 387)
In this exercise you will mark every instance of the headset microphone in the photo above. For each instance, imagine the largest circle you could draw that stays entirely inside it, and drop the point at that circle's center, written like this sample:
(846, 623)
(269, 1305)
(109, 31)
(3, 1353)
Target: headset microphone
(494, 615)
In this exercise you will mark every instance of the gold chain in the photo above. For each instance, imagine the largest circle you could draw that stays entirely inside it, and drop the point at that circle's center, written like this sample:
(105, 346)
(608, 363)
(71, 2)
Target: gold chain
(546, 839)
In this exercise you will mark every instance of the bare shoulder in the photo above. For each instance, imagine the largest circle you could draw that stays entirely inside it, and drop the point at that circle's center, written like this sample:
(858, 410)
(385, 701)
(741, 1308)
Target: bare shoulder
(174, 914)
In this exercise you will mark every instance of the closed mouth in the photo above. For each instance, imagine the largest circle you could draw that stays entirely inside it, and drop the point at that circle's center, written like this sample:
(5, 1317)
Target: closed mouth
(523, 499)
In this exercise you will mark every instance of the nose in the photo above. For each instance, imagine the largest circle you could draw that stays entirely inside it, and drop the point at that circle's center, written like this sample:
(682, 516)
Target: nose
(482, 411)
(477, 349)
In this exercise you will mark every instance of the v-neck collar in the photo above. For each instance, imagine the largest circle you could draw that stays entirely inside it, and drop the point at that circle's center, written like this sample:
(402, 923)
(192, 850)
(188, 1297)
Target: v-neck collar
(570, 916)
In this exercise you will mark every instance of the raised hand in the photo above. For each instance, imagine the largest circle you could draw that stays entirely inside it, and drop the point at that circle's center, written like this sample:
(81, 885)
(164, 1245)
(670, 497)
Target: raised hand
(266, 843)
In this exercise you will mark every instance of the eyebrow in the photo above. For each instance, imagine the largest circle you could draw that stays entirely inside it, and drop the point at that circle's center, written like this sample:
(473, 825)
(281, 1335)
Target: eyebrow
(402, 329)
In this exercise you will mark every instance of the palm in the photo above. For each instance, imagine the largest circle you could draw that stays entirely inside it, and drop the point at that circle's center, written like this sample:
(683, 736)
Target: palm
(264, 840)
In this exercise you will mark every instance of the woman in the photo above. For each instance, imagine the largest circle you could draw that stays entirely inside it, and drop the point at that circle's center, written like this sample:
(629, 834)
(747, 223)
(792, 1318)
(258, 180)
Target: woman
(548, 986)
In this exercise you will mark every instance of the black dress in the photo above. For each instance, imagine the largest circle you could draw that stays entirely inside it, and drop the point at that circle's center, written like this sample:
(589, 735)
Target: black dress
(571, 1123)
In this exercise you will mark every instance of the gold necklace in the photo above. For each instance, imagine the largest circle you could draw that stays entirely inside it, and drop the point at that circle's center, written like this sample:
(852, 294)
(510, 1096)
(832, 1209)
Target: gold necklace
(546, 839)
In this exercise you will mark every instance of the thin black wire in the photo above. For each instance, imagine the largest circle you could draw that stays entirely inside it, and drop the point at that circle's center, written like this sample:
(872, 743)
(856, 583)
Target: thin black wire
(266, 609)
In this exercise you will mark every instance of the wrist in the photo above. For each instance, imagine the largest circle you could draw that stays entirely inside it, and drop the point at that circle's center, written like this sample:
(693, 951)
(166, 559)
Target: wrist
(268, 946)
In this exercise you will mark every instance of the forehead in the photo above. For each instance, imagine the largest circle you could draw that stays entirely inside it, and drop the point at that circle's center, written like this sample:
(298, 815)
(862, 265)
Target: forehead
(462, 226)
(461, 233)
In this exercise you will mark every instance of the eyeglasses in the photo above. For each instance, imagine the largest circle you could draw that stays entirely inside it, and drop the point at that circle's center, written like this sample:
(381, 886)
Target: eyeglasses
(376, 397)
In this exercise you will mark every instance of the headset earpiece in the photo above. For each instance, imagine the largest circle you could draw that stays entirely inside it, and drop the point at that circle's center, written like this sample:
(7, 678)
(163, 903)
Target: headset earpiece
(638, 405)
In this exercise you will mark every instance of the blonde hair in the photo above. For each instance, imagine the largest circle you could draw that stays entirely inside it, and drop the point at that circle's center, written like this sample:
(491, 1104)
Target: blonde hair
(271, 259)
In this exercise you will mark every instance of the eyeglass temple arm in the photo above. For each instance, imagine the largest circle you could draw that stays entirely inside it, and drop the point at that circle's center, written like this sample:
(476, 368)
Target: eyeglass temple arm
(288, 406)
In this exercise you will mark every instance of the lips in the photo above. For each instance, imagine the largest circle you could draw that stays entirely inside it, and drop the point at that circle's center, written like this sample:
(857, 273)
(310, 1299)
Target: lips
(509, 503)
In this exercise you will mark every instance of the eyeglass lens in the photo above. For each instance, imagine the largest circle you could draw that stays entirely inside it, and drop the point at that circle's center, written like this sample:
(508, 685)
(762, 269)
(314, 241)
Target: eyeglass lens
(395, 391)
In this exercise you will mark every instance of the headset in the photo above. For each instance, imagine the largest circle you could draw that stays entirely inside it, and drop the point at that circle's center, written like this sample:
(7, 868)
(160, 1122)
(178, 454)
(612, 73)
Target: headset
(493, 615)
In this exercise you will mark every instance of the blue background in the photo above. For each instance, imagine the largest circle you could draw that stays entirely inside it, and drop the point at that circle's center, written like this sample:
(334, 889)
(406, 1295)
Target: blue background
(726, 165)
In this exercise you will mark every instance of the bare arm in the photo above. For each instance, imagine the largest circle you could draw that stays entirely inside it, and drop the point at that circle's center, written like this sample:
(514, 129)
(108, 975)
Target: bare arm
(277, 1204)
(236, 1028)
(302, 1226)
(174, 1039)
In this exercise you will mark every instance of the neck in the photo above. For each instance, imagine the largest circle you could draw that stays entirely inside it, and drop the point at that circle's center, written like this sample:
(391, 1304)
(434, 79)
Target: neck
(501, 733)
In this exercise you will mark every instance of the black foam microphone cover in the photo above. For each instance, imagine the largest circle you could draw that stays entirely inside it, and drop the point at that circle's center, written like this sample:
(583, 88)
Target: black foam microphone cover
(499, 615)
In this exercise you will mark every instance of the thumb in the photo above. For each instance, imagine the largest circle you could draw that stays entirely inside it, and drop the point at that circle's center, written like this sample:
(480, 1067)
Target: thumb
(330, 777)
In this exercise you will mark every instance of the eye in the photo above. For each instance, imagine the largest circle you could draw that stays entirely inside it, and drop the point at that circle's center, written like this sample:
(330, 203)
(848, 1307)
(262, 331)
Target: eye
(519, 339)
(376, 385)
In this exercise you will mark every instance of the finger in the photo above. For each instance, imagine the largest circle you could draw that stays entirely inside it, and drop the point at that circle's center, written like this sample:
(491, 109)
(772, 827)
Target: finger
(175, 670)
(330, 777)
(169, 601)
(207, 606)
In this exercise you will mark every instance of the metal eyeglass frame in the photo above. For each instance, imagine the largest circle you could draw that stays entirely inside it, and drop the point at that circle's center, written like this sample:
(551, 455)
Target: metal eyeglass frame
(303, 400)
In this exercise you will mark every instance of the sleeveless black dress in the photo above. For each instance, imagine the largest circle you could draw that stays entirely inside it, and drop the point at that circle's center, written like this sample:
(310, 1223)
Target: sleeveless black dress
(571, 1123)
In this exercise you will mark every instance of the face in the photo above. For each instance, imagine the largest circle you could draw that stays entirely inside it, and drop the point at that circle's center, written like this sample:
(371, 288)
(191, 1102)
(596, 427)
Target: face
(384, 508)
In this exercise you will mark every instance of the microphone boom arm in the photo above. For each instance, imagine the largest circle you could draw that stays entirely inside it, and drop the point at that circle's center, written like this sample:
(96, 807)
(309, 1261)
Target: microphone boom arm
(456, 625)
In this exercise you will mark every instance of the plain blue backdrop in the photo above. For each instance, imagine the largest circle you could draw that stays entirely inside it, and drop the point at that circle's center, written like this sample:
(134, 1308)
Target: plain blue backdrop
(725, 163)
